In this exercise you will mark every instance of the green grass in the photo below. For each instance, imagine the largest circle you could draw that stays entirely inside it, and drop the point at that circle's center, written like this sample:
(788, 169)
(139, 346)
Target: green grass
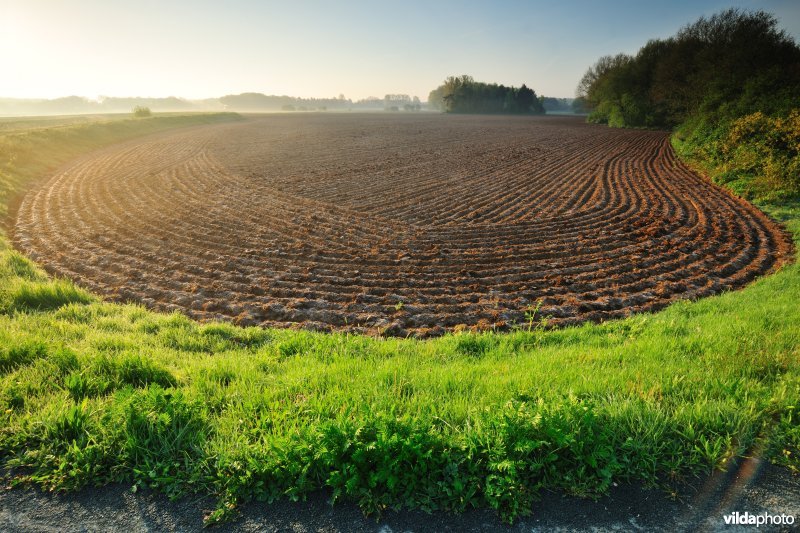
(92, 392)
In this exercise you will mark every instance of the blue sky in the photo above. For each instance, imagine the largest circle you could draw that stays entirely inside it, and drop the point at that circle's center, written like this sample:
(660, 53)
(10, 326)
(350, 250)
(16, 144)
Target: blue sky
(204, 48)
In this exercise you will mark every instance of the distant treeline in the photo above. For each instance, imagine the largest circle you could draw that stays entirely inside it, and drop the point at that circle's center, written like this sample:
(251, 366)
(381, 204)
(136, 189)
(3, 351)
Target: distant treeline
(245, 102)
(557, 105)
(262, 102)
(77, 105)
(473, 97)
(729, 84)
(462, 94)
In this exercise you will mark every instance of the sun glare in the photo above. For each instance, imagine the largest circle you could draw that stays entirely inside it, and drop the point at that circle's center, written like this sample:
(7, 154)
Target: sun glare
(24, 46)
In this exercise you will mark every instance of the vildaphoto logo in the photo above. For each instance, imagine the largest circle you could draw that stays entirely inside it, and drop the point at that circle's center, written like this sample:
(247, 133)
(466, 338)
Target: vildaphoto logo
(763, 519)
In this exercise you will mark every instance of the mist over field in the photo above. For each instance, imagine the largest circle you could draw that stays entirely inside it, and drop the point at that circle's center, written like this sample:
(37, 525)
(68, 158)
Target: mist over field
(246, 102)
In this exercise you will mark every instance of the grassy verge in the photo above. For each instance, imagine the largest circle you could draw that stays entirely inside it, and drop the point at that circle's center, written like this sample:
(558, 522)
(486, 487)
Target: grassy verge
(92, 392)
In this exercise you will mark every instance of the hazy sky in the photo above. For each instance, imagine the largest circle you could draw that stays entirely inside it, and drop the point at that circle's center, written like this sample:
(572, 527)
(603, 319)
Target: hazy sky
(200, 48)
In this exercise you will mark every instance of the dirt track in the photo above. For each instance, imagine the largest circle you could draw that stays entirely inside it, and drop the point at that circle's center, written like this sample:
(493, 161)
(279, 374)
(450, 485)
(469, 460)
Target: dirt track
(396, 224)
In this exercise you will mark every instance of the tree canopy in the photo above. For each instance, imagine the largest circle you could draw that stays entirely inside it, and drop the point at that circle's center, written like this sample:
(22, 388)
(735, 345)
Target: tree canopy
(729, 64)
(462, 94)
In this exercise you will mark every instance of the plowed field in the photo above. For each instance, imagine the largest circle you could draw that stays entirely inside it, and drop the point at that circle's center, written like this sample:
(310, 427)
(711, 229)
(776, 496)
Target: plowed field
(396, 224)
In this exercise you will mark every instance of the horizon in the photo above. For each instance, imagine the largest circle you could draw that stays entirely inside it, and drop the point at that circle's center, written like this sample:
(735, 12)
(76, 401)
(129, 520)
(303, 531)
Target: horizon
(198, 50)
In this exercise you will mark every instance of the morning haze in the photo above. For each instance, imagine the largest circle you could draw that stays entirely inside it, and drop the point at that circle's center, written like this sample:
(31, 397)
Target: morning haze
(199, 50)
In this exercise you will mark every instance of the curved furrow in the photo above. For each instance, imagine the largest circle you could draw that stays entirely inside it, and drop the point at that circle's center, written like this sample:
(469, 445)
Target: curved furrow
(417, 223)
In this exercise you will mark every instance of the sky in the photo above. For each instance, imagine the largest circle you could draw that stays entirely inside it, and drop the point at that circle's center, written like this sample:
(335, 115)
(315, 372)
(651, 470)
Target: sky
(201, 48)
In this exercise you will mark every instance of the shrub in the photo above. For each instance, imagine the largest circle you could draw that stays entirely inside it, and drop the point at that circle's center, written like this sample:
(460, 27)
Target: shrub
(759, 155)
(766, 147)
(141, 111)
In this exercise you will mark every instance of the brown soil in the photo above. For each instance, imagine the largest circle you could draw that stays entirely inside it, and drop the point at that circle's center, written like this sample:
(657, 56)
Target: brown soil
(396, 224)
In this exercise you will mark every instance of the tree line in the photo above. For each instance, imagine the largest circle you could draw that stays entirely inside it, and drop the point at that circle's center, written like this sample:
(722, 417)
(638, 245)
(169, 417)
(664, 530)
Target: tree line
(462, 94)
(726, 65)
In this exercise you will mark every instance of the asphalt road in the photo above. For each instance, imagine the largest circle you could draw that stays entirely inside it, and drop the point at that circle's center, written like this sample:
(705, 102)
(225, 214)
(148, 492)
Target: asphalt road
(752, 487)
